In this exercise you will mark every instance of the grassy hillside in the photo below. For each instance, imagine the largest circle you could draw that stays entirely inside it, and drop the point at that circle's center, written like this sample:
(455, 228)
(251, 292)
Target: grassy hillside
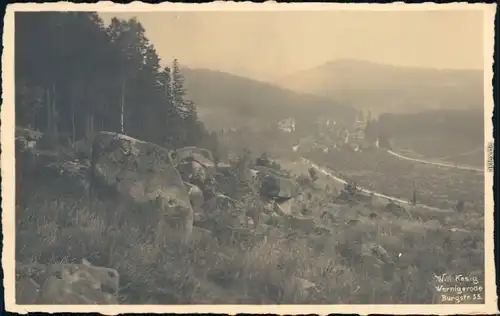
(228, 100)
(389, 88)
(362, 253)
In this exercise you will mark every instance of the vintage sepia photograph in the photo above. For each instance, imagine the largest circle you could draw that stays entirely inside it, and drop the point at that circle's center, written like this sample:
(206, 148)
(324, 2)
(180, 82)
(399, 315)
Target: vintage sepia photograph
(251, 155)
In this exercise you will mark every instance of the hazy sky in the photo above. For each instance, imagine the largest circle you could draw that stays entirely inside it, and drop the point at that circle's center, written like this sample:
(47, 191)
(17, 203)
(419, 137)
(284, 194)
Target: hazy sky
(272, 44)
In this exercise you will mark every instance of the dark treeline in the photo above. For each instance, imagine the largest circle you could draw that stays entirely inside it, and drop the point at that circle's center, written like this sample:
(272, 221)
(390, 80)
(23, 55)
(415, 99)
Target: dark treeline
(75, 77)
(454, 124)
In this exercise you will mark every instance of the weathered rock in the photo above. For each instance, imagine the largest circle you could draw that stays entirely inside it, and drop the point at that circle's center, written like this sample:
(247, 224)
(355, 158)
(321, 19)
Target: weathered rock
(143, 172)
(66, 174)
(286, 189)
(377, 251)
(201, 155)
(395, 208)
(66, 284)
(195, 164)
(27, 291)
(195, 197)
(303, 284)
(192, 172)
(226, 180)
(201, 234)
(26, 135)
(223, 202)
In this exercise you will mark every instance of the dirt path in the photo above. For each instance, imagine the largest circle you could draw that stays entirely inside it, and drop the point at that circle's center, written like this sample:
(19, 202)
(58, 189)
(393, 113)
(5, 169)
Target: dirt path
(440, 164)
(306, 163)
(435, 163)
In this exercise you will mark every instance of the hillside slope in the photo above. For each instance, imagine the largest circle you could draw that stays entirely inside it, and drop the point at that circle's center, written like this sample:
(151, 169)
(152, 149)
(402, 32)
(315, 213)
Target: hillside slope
(321, 253)
(390, 88)
(226, 100)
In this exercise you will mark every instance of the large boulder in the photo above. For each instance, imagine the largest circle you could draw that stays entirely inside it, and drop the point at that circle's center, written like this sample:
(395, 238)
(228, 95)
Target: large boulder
(195, 164)
(195, 197)
(226, 180)
(38, 168)
(27, 137)
(202, 155)
(143, 173)
(66, 284)
(193, 172)
(276, 184)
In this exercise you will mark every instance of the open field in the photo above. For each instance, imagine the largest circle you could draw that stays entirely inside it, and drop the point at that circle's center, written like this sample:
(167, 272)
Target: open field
(362, 254)
(441, 150)
(437, 163)
(381, 172)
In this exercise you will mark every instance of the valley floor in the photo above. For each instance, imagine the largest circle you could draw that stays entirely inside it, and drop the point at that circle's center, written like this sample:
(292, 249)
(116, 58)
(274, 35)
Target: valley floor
(379, 171)
(442, 151)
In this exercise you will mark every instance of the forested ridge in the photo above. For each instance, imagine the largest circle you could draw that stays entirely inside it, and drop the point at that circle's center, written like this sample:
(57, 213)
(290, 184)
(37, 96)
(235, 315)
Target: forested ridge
(76, 76)
(228, 100)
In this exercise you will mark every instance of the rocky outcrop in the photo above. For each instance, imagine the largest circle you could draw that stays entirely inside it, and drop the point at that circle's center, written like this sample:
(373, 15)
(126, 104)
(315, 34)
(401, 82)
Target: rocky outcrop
(37, 167)
(143, 172)
(285, 187)
(66, 284)
(195, 197)
(194, 164)
(200, 155)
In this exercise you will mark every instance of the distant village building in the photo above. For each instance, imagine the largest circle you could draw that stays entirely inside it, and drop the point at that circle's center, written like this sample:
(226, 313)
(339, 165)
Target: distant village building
(359, 126)
(354, 136)
(287, 125)
(346, 136)
(325, 124)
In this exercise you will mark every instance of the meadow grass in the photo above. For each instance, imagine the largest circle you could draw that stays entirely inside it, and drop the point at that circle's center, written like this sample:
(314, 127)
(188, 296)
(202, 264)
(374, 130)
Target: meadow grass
(379, 171)
(288, 266)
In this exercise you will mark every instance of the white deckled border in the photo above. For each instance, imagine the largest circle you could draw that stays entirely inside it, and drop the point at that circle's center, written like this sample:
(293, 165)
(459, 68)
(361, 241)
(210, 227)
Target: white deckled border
(8, 160)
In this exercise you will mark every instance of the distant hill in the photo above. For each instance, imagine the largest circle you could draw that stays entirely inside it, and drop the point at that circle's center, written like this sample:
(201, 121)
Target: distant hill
(387, 88)
(227, 100)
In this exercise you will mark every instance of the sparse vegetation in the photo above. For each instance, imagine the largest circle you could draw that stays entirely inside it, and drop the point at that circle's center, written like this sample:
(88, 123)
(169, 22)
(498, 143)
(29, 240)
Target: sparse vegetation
(325, 250)
(363, 253)
(448, 135)
(379, 171)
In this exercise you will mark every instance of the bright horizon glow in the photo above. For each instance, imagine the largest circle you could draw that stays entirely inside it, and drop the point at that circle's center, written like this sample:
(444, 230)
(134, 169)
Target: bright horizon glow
(268, 45)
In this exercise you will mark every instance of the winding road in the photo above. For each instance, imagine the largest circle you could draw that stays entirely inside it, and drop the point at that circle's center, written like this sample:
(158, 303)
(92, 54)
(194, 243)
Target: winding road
(428, 162)
(395, 199)
(329, 174)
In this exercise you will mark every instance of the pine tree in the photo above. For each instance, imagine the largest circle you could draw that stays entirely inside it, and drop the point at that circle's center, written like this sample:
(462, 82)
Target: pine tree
(86, 77)
(194, 130)
(166, 77)
(178, 91)
(174, 130)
